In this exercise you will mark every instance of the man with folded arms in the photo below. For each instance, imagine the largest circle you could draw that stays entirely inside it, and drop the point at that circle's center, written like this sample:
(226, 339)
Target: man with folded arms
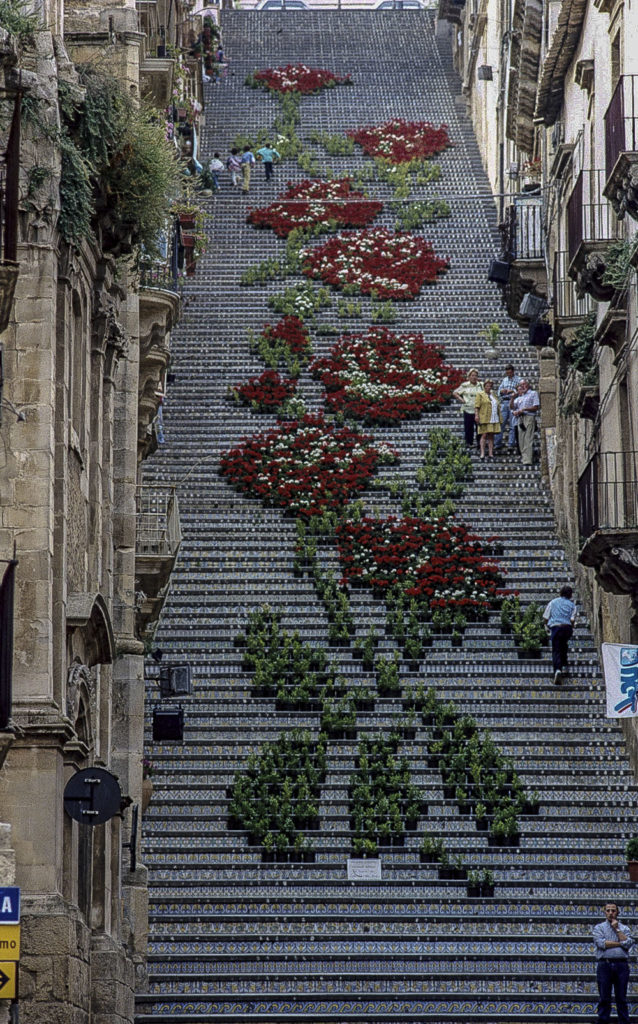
(612, 942)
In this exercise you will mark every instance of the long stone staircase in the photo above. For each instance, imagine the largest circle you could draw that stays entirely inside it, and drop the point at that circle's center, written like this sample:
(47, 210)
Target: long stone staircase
(237, 939)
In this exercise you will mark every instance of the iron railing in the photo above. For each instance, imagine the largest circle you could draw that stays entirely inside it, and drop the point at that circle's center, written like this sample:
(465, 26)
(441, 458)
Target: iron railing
(158, 527)
(163, 272)
(621, 121)
(567, 305)
(157, 274)
(608, 493)
(523, 229)
(590, 217)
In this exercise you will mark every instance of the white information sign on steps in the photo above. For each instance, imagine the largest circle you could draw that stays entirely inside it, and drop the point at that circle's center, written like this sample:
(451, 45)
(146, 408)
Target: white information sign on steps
(364, 870)
(620, 667)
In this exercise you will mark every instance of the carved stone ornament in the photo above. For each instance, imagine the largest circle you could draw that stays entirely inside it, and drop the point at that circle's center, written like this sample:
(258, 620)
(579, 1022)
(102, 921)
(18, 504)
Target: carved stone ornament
(615, 564)
(109, 336)
(589, 279)
(622, 187)
(78, 679)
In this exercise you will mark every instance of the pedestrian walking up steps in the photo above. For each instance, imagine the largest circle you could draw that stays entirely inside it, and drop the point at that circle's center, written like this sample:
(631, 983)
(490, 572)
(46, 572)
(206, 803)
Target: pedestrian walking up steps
(237, 940)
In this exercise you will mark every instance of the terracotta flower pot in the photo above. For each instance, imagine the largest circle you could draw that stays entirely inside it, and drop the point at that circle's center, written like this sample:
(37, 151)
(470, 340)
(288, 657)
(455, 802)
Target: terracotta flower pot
(147, 794)
(632, 868)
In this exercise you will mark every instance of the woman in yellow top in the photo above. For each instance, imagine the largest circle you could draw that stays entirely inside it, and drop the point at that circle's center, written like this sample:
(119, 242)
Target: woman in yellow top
(488, 417)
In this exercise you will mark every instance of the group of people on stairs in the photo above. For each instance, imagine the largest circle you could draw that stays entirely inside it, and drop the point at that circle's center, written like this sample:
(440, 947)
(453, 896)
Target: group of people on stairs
(511, 409)
(239, 165)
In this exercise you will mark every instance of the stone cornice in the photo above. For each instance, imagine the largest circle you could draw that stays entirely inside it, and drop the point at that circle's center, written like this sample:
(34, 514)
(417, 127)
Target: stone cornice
(557, 60)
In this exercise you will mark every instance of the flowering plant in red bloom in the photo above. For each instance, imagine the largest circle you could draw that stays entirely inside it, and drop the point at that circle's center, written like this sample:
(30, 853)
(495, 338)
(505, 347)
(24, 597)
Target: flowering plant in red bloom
(305, 465)
(392, 265)
(325, 205)
(298, 78)
(400, 141)
(384, 377)
(435, 561)
(265, 393)
(288, 340)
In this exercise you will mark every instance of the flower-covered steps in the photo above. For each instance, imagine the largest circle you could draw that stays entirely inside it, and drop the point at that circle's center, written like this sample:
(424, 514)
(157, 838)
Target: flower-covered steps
(236, 939)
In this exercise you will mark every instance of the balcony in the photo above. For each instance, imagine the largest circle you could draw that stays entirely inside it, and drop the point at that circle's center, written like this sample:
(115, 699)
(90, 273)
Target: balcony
(569, 310)
(157, 542)
(621, 148)
(160, 306)
(592, 226)
(523, 237)
(608, 521)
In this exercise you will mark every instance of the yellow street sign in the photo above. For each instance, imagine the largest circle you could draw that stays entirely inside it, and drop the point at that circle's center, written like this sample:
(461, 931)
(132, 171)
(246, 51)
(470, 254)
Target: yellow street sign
(9, 941)
(8, 980)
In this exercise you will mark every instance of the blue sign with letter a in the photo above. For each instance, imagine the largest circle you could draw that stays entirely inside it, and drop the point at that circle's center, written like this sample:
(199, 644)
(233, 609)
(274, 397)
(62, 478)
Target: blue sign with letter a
(9, 905)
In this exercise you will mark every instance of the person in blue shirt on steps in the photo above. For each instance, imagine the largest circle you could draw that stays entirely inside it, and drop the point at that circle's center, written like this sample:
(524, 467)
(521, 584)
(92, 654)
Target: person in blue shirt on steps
(268, 153)
(612, 942)
(560, 616)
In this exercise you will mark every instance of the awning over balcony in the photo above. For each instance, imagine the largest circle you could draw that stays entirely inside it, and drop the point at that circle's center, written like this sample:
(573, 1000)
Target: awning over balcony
(524, 62)
(557, 60)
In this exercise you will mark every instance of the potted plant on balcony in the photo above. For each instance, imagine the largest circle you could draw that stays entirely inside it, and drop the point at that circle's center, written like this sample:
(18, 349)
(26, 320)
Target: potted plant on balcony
(631, 852)
(532, 171)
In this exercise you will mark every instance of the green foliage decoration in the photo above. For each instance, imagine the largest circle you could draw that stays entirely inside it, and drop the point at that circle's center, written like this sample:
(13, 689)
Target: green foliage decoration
(412, 216)
(18, 21)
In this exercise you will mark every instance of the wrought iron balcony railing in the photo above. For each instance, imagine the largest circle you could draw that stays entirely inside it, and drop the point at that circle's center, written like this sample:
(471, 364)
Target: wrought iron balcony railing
(621, 121)
(590, 217)
(567, 305)
(523, 231)
(608, 493)
(158, 274)
(158, 526)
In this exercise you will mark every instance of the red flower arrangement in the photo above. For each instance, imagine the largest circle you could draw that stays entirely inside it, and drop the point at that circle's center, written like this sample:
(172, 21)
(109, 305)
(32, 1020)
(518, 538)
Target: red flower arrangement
(392, 265)
(316, 204)
(400, 141)
(384, 377)
(438, 562)
(299, 78)
(267, 392)
(305, 465)
(288, 340)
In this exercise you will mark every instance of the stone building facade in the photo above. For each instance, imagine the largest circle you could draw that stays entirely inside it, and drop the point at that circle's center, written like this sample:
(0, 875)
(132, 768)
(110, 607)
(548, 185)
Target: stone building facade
(563, 80)
(84, 349)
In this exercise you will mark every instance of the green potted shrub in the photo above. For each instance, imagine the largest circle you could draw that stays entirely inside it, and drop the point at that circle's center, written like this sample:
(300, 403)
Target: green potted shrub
(487, 883)
(480, 812)
(473, 883)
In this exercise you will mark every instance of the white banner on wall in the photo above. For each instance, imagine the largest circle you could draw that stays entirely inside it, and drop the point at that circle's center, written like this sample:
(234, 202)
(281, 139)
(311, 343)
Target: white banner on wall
(620, 666)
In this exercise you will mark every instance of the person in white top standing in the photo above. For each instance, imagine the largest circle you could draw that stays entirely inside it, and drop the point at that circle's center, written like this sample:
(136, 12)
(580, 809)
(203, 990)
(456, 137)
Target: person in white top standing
(524, 409)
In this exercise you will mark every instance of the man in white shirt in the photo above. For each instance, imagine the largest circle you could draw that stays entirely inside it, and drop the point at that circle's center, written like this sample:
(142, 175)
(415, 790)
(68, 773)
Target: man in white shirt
(612, 943)
(524, 409)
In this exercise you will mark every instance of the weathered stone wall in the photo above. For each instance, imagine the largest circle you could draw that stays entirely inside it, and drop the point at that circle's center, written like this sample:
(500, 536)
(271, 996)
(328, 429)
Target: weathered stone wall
(68, 477)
